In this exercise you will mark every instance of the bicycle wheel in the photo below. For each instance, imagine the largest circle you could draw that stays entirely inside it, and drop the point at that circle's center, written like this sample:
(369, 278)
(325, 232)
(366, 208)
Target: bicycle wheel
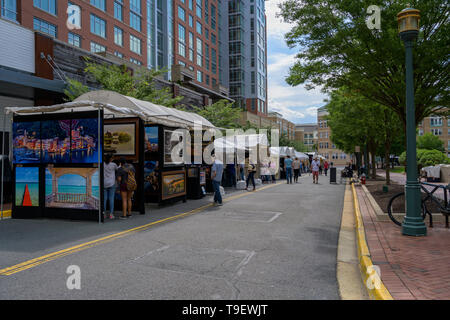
(396, 208)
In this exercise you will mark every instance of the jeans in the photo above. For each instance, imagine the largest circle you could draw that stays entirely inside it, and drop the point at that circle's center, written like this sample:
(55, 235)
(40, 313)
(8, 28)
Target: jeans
(109, 194)
(242, 175)
(289, 175)
(251, 177)
(296, 174)
(217, 195)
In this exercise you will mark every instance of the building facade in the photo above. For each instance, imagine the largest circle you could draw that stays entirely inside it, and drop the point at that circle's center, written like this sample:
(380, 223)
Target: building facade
(243, 53)
(286, 127)
(325, 146)
(307, 134)
(438, 126)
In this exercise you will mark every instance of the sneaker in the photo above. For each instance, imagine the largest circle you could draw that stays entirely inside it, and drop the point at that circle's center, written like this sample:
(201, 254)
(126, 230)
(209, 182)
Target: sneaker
(129, 215)
(111, 216)
(122, 217)
(219, 204)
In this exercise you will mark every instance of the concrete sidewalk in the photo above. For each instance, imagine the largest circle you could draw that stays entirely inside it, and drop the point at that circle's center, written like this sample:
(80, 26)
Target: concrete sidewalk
(412, 268)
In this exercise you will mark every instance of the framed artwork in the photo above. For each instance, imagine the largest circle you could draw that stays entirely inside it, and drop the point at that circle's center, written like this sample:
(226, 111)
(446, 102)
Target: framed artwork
(27, 187)
(120, 139)
(151, 177)
(202, 177)
(173, 184)
(73, 188)
(27, 142)
(173, 148)
(151, 139)
(85, 141)
(192, 172)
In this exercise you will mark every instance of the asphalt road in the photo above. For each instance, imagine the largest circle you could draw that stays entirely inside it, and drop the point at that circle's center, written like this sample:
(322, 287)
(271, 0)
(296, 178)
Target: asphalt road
(278, 243)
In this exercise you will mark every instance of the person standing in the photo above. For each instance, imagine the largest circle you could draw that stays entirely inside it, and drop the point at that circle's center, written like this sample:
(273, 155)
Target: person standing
(241, 171)
(251, 175)
(296, 167)
(325, 167)
(288, 166)
(216, 176)
(315, 165)
(109, 183)
(127, 181)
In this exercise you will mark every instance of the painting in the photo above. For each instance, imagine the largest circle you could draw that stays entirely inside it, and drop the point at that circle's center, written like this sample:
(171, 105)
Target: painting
(55, 135)
(151, 177)
(173, 148)
(27, 186)
(73, 188)
(120, 139)
(27, 142)
(84, 141)
(173, 184)
(151, 139)
(202, 177)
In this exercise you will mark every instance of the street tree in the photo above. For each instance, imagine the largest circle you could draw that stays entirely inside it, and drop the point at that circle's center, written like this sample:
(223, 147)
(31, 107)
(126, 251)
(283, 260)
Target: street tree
(222, 114)
(430, 142)
(336, 49)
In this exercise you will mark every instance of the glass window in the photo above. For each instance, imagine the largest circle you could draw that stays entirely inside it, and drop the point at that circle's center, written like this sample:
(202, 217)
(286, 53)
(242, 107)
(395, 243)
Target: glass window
(181, 13)
(135, 44)
(135, 21)
(95, 47)
(118, 36)
(118, 54)
(46, 5)
(9, 9)
(74, 40)
(135, 5)
(181, 40)
(199, 76)
(199, 28)
(98, 26)
(45, 27)
(118, 10)
(99, 4)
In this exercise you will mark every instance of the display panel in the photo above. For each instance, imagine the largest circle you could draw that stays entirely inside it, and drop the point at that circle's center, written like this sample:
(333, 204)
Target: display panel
(74, 188)
(27, 142)
(27, 187)
(119, 139)
(85, 142)
(151, 139)
(151, 177)
(55, 136)
(202, 177)
(173, 184)
(173, 140)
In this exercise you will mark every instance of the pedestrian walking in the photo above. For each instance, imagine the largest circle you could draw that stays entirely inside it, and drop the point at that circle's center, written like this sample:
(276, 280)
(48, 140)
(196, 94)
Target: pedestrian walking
(296, 167)
(315, 165)
(288, 166)
(216, 176)
(251, 175)
(109, 182)
(127, 181)
(242, 171)
(325, 167)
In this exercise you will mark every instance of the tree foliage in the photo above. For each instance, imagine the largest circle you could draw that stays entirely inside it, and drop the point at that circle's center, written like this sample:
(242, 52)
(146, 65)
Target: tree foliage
(121, 80)
(337, 49)
(430, 142)
(222, 114)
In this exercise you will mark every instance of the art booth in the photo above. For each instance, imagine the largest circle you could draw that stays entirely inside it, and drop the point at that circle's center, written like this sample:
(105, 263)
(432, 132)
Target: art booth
(58, 154)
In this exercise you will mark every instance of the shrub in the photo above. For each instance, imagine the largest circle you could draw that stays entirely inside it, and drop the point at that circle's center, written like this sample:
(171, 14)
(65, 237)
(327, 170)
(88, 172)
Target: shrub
(432, 158)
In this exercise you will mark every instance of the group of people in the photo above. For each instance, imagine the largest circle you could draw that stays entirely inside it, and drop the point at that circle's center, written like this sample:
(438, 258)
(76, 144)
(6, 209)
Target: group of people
(121, 179)
(294, 167)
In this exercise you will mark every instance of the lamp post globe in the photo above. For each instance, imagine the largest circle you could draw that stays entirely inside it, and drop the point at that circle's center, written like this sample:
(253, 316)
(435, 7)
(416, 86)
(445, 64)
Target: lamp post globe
(408, 28)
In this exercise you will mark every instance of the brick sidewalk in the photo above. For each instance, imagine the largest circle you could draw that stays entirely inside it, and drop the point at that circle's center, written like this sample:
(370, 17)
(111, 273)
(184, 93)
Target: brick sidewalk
(411, 268)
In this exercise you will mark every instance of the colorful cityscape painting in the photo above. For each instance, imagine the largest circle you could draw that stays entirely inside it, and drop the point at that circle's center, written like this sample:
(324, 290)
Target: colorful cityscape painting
(85, 142)
(74, 188)
(27, 186)
(151, 139)
(27, 142)
(151, 177)
(55, 142)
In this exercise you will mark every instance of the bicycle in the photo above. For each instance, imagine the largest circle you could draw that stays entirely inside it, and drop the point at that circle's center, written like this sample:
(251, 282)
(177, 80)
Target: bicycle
(396, 206)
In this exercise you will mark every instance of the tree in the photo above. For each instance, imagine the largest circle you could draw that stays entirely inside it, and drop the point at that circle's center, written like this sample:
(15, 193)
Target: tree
(121, 80)
(430, 142)
(222, 114)
(337, 49)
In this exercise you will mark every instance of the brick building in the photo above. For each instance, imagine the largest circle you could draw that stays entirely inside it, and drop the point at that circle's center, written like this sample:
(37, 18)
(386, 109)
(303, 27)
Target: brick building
(438, 126)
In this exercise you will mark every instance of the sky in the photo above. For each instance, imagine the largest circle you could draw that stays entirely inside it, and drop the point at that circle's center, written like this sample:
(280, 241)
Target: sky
(296, 104)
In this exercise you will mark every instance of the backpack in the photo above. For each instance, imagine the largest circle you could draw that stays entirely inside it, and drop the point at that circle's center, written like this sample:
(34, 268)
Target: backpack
(131, 180)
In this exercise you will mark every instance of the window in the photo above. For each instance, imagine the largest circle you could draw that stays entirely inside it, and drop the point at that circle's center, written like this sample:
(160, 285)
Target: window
(135, 44)
(181, 13)
(199, 28)
(199, 76)
(181, 40)
(118, 36)
(136, 61)
(436, 132)
(191, 21)
(95, 47)
(135, 5)
(436, 121)
(45, 27)
(9, 9)
(98, 26)
(46, 5)
(135, 21)
(118, 10)
(191, 46)
(99, 4)
(420, 132)
(74, 40)
(199, 52)
(118, 54)
(199, 8)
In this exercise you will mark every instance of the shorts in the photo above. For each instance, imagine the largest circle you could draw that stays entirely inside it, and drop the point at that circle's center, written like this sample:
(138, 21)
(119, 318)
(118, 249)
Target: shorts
(315, 173)
(123, 187)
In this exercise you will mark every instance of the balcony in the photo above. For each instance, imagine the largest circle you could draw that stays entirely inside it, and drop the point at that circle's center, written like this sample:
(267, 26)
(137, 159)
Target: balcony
(181, 73)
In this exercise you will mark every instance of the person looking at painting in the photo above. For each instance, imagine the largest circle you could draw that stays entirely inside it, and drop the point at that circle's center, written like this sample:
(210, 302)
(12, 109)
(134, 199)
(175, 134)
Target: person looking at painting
(109, 177)
(127, 182)
(216, 176)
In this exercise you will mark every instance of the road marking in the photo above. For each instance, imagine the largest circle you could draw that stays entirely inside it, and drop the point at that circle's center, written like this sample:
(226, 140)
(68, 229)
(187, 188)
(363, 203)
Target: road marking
(61, 253)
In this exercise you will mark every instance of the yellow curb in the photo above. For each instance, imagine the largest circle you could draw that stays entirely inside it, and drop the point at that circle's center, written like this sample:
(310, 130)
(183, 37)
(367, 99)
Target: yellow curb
(370, 277)
(6, 214)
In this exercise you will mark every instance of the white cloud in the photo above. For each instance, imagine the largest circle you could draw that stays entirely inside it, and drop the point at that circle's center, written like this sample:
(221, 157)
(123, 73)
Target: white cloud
(281, 61)
(275, 26)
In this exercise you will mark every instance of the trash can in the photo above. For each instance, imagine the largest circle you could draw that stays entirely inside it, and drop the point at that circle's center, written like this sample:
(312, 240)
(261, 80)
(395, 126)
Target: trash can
(332, 175)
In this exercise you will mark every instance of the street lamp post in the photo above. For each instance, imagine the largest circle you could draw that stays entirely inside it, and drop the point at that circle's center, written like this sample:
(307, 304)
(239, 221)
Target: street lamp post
(413, 225)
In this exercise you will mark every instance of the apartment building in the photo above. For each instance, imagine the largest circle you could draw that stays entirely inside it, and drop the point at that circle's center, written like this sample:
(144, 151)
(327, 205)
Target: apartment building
(438, 126)
(285, 126)
(307, 134)
(243, 53)
(325, 146)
